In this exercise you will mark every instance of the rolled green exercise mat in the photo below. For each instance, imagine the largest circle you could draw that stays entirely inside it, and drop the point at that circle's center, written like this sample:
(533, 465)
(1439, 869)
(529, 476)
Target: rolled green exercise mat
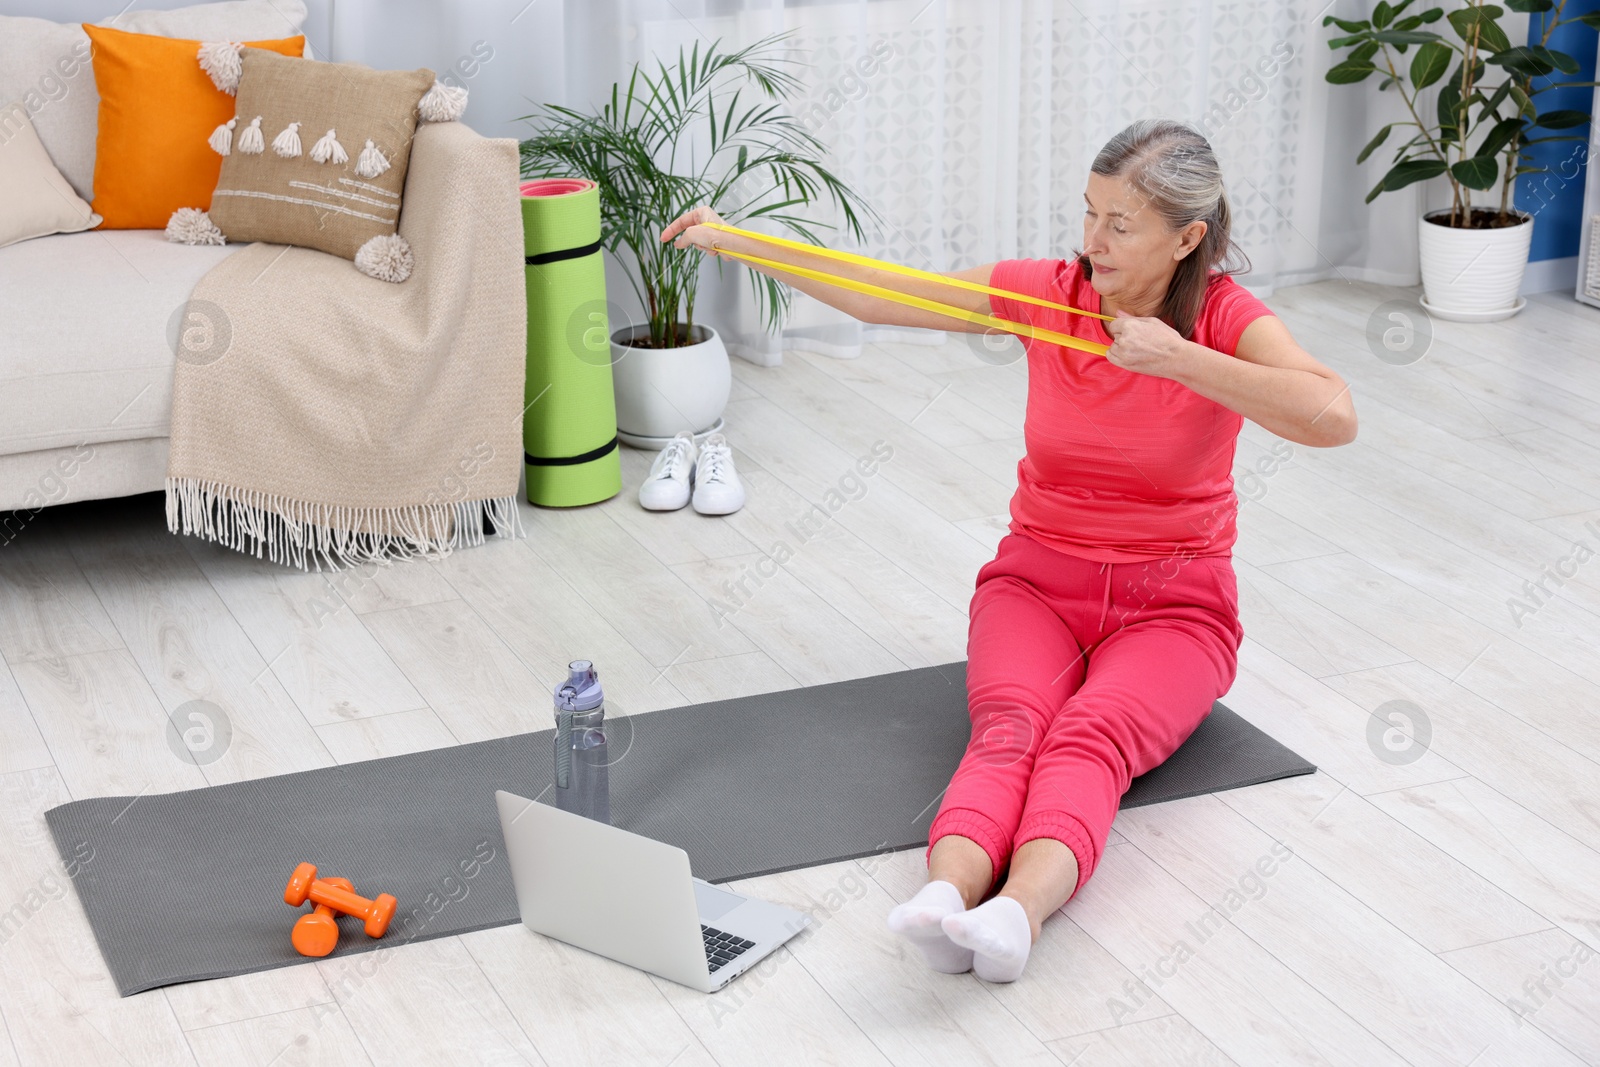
(569, 431)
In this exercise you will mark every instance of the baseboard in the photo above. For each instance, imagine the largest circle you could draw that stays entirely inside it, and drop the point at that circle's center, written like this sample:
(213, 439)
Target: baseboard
(1551, 275)
(1541, 276)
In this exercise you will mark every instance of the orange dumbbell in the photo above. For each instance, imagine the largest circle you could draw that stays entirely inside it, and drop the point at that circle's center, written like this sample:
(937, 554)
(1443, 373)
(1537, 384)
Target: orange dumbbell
(304, 885)
(316, 933)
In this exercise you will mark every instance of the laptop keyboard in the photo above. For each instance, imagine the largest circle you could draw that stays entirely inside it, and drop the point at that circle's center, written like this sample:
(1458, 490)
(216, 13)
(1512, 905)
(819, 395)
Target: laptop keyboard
(722, 947)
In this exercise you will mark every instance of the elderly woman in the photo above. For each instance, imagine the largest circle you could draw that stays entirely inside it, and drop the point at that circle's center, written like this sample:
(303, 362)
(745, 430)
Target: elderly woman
(1107, 623)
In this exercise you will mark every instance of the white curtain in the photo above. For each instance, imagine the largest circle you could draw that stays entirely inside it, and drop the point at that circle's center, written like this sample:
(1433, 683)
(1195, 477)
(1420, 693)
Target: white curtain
(970, 126)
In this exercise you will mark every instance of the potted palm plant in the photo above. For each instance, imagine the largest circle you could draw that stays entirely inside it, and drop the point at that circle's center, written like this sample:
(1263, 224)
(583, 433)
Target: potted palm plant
(1477, 135)
(711, 128)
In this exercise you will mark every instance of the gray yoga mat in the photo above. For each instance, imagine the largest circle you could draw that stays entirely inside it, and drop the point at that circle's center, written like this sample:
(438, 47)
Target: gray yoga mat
(186, 886)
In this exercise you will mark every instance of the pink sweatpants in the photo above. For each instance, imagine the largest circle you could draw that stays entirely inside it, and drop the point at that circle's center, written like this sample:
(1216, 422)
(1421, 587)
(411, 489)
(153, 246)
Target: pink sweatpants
(1081, 676)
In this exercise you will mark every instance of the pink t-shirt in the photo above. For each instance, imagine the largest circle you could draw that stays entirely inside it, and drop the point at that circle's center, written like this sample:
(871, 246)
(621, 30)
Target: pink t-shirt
(1121, 466)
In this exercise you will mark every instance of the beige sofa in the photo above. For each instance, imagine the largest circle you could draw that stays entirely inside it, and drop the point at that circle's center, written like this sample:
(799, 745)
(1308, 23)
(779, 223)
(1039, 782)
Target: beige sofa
(88, 320)
(86, 364)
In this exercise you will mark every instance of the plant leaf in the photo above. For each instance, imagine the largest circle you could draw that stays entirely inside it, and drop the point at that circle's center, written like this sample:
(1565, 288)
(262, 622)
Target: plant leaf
(1412, 170)
(1364, 53)
(1564, 119)
(1491, 35)
(1372, 145)
(1402, 37)
(1564, 63)
(1530, 6)
(1524, 105)
(1463, 19)
(1348, 73)
(1347, 25)
(1479, 22)
(1478, 172)
(1382, 15)
(1449, 102)
(1499, 136)
(1492, 107)
(1429, 64)
(1534, 60)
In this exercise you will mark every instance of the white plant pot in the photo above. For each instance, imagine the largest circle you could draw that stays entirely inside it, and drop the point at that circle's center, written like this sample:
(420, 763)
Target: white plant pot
(664, 391)
(1473, 275)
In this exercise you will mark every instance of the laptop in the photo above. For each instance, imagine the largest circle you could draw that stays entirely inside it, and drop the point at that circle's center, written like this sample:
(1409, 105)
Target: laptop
(632, 899)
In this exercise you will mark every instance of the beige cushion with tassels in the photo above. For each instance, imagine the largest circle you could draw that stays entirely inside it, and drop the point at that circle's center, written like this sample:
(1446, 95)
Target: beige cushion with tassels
(317, 154)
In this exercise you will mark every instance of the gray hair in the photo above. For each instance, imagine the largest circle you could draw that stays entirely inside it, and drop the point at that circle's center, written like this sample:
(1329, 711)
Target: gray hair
(1172, 167)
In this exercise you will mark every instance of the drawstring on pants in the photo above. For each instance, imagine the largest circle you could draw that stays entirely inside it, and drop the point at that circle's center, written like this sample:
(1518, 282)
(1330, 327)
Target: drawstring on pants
(1105, 568)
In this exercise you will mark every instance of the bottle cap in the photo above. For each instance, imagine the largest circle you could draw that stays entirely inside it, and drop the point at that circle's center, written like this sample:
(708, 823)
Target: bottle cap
(581, 691)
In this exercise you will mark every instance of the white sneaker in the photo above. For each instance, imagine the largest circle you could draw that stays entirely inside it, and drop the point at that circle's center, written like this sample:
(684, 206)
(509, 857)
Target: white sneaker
(666, 487)
(717, 489)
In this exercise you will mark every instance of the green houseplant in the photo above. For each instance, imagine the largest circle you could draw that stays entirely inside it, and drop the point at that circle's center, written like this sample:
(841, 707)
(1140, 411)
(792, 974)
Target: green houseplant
(1484, 119)
(711, 128)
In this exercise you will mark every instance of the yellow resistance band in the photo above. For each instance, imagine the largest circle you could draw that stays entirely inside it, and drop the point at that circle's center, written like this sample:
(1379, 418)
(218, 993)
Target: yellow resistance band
(934, 306)
(896, 268)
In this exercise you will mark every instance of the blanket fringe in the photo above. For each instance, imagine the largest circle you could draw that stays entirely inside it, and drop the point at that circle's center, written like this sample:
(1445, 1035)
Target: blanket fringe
(306, 535)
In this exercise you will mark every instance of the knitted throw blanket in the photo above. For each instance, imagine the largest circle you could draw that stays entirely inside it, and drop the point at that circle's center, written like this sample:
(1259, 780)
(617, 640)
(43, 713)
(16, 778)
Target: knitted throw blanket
(326, 417)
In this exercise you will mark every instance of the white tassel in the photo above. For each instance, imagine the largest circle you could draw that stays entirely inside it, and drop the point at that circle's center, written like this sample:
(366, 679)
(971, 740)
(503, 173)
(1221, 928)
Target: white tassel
(220, 60)
(287, 143)
(386, 257)
(191, 226)
(372, 162)
(442, 103)
(222, 137)
(328, 149)
(251, 143)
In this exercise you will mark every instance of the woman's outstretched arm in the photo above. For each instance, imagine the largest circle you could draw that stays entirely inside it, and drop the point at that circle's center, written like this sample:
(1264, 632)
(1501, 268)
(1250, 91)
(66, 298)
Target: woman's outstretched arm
(689, 230)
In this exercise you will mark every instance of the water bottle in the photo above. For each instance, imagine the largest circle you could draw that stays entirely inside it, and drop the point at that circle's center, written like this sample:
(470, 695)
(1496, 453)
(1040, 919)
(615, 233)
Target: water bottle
(581, 781)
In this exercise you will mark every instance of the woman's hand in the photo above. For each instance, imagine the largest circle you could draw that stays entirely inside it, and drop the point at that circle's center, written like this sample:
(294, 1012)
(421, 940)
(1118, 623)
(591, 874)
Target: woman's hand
(1146, 345)
(690, 231)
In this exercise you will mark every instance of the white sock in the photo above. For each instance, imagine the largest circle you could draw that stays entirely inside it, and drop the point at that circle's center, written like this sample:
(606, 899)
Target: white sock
(918, 919)
(998, 934)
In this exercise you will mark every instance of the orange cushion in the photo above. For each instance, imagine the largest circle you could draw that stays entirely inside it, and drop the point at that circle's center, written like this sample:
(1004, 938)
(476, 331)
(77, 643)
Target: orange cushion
(157, 111)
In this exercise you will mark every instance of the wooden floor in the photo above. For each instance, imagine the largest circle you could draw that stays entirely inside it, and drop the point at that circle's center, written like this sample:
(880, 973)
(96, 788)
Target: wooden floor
(1441, 906)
